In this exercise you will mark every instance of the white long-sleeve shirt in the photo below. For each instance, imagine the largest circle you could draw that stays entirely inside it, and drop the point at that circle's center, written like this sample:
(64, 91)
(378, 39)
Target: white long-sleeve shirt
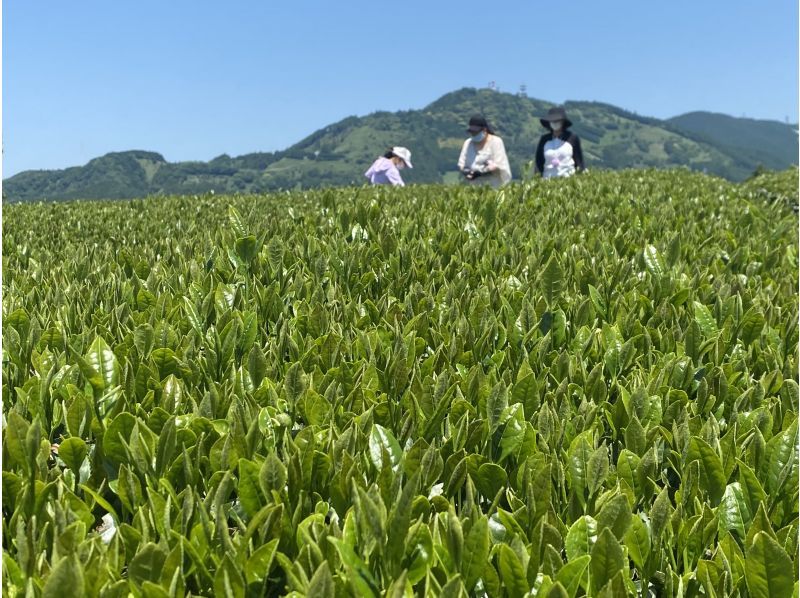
(491, 156)
(383, 171)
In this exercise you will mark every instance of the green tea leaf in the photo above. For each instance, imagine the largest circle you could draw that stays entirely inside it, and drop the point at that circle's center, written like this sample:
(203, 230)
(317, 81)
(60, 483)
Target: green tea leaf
(607, 559)
(359, 576)
(489, 479)
(513, 432)
(512, 573)
(581, 537)
(751, 326)
(67, 575)
(615, 515)
(578, 457)
(146, 565)
(573, 575)
(143, 337)
(73, 451)
(102, 359)
(256, 365)
(246, 248)
(637, 540)
(249, 487)
(551, 280)
(229, 581)
(117, 435)
(654, 262)
(751, 487)
(380, 440)
(734, 513)
(321, 583)
(706, 321)
(769, 570)
(496, 405)
(597, 469)
(260, 562)
(272, 475)
(295, 384)
(598, 302)
(476, 551)
(712, 475)
(781, 458)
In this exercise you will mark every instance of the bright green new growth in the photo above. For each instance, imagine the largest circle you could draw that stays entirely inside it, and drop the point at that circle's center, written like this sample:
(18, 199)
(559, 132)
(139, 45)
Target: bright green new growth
(580, 387)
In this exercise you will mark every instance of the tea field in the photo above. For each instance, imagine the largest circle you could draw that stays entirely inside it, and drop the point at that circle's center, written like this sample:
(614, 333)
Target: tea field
(585, 387)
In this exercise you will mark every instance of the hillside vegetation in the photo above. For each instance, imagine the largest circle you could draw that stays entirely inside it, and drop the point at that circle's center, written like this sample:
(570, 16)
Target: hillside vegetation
(339, 153)
(584, 387)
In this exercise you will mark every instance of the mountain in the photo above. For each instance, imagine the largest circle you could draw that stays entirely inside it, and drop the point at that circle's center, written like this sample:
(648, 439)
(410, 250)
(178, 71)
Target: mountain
(339, 153)
(761, 141)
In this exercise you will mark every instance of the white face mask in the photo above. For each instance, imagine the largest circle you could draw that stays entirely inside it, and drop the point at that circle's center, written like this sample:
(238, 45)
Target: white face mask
(555, 125)
(478, 137)
(401, 165)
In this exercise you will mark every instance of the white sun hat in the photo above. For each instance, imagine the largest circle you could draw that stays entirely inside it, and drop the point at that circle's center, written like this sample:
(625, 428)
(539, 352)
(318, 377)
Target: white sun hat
(404, 154)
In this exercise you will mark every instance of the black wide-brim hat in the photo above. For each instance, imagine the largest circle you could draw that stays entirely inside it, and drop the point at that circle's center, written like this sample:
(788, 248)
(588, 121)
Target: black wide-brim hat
(478, 123)
(556, 113)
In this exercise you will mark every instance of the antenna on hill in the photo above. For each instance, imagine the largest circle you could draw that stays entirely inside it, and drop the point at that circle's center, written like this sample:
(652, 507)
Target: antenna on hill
(523, 90)
(492, 85)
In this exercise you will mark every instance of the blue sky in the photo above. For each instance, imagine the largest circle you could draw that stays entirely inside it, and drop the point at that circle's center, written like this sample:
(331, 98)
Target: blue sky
(193, 80)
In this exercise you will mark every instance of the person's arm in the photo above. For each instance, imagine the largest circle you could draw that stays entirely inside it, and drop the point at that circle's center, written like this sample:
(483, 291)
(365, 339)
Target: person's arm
(577, 153)
(394, 177)
(499, 161)
(370, 171)
(462, 159)
(540, 155)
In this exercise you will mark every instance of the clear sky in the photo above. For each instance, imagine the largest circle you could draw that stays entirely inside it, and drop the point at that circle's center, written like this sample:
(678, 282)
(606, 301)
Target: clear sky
(195, 79)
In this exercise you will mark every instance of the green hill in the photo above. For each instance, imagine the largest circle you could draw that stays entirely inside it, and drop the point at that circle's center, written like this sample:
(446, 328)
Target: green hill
(339, 153)
(770, 143)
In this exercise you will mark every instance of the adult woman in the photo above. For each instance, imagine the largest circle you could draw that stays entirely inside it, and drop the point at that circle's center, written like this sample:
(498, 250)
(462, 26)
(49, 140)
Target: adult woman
(386, 169)
(483, 159)
(559, 152)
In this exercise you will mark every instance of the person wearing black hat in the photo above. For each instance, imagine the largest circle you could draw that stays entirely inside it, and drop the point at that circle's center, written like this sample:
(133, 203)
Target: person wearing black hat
(559, 152)
(483, 159)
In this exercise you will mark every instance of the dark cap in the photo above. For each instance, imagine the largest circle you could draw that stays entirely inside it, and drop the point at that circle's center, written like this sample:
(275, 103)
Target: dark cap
(478, 123)
(556, 113)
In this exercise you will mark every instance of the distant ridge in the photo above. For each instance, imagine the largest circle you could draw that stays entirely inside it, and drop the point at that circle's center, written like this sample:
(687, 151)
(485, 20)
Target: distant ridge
(339, 153)
(767, 142)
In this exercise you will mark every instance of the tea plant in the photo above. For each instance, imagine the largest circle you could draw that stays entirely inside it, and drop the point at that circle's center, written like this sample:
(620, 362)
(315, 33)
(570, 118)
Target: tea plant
(562, 388)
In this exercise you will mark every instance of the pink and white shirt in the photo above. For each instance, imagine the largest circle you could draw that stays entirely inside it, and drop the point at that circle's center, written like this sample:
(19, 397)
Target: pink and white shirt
(383, 171)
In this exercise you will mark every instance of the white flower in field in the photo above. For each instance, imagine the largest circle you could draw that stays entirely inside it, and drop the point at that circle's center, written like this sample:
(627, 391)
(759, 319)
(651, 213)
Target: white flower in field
(512, 282)
(107, 529)
(358, 233)
(436, 490)
(470, 228)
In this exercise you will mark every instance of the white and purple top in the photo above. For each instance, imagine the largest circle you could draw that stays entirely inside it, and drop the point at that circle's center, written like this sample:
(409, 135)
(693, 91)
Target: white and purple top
(383, 171)
(559, 155)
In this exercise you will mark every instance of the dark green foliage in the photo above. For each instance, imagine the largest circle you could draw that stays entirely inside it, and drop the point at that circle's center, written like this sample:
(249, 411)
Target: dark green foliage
(584, 387)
